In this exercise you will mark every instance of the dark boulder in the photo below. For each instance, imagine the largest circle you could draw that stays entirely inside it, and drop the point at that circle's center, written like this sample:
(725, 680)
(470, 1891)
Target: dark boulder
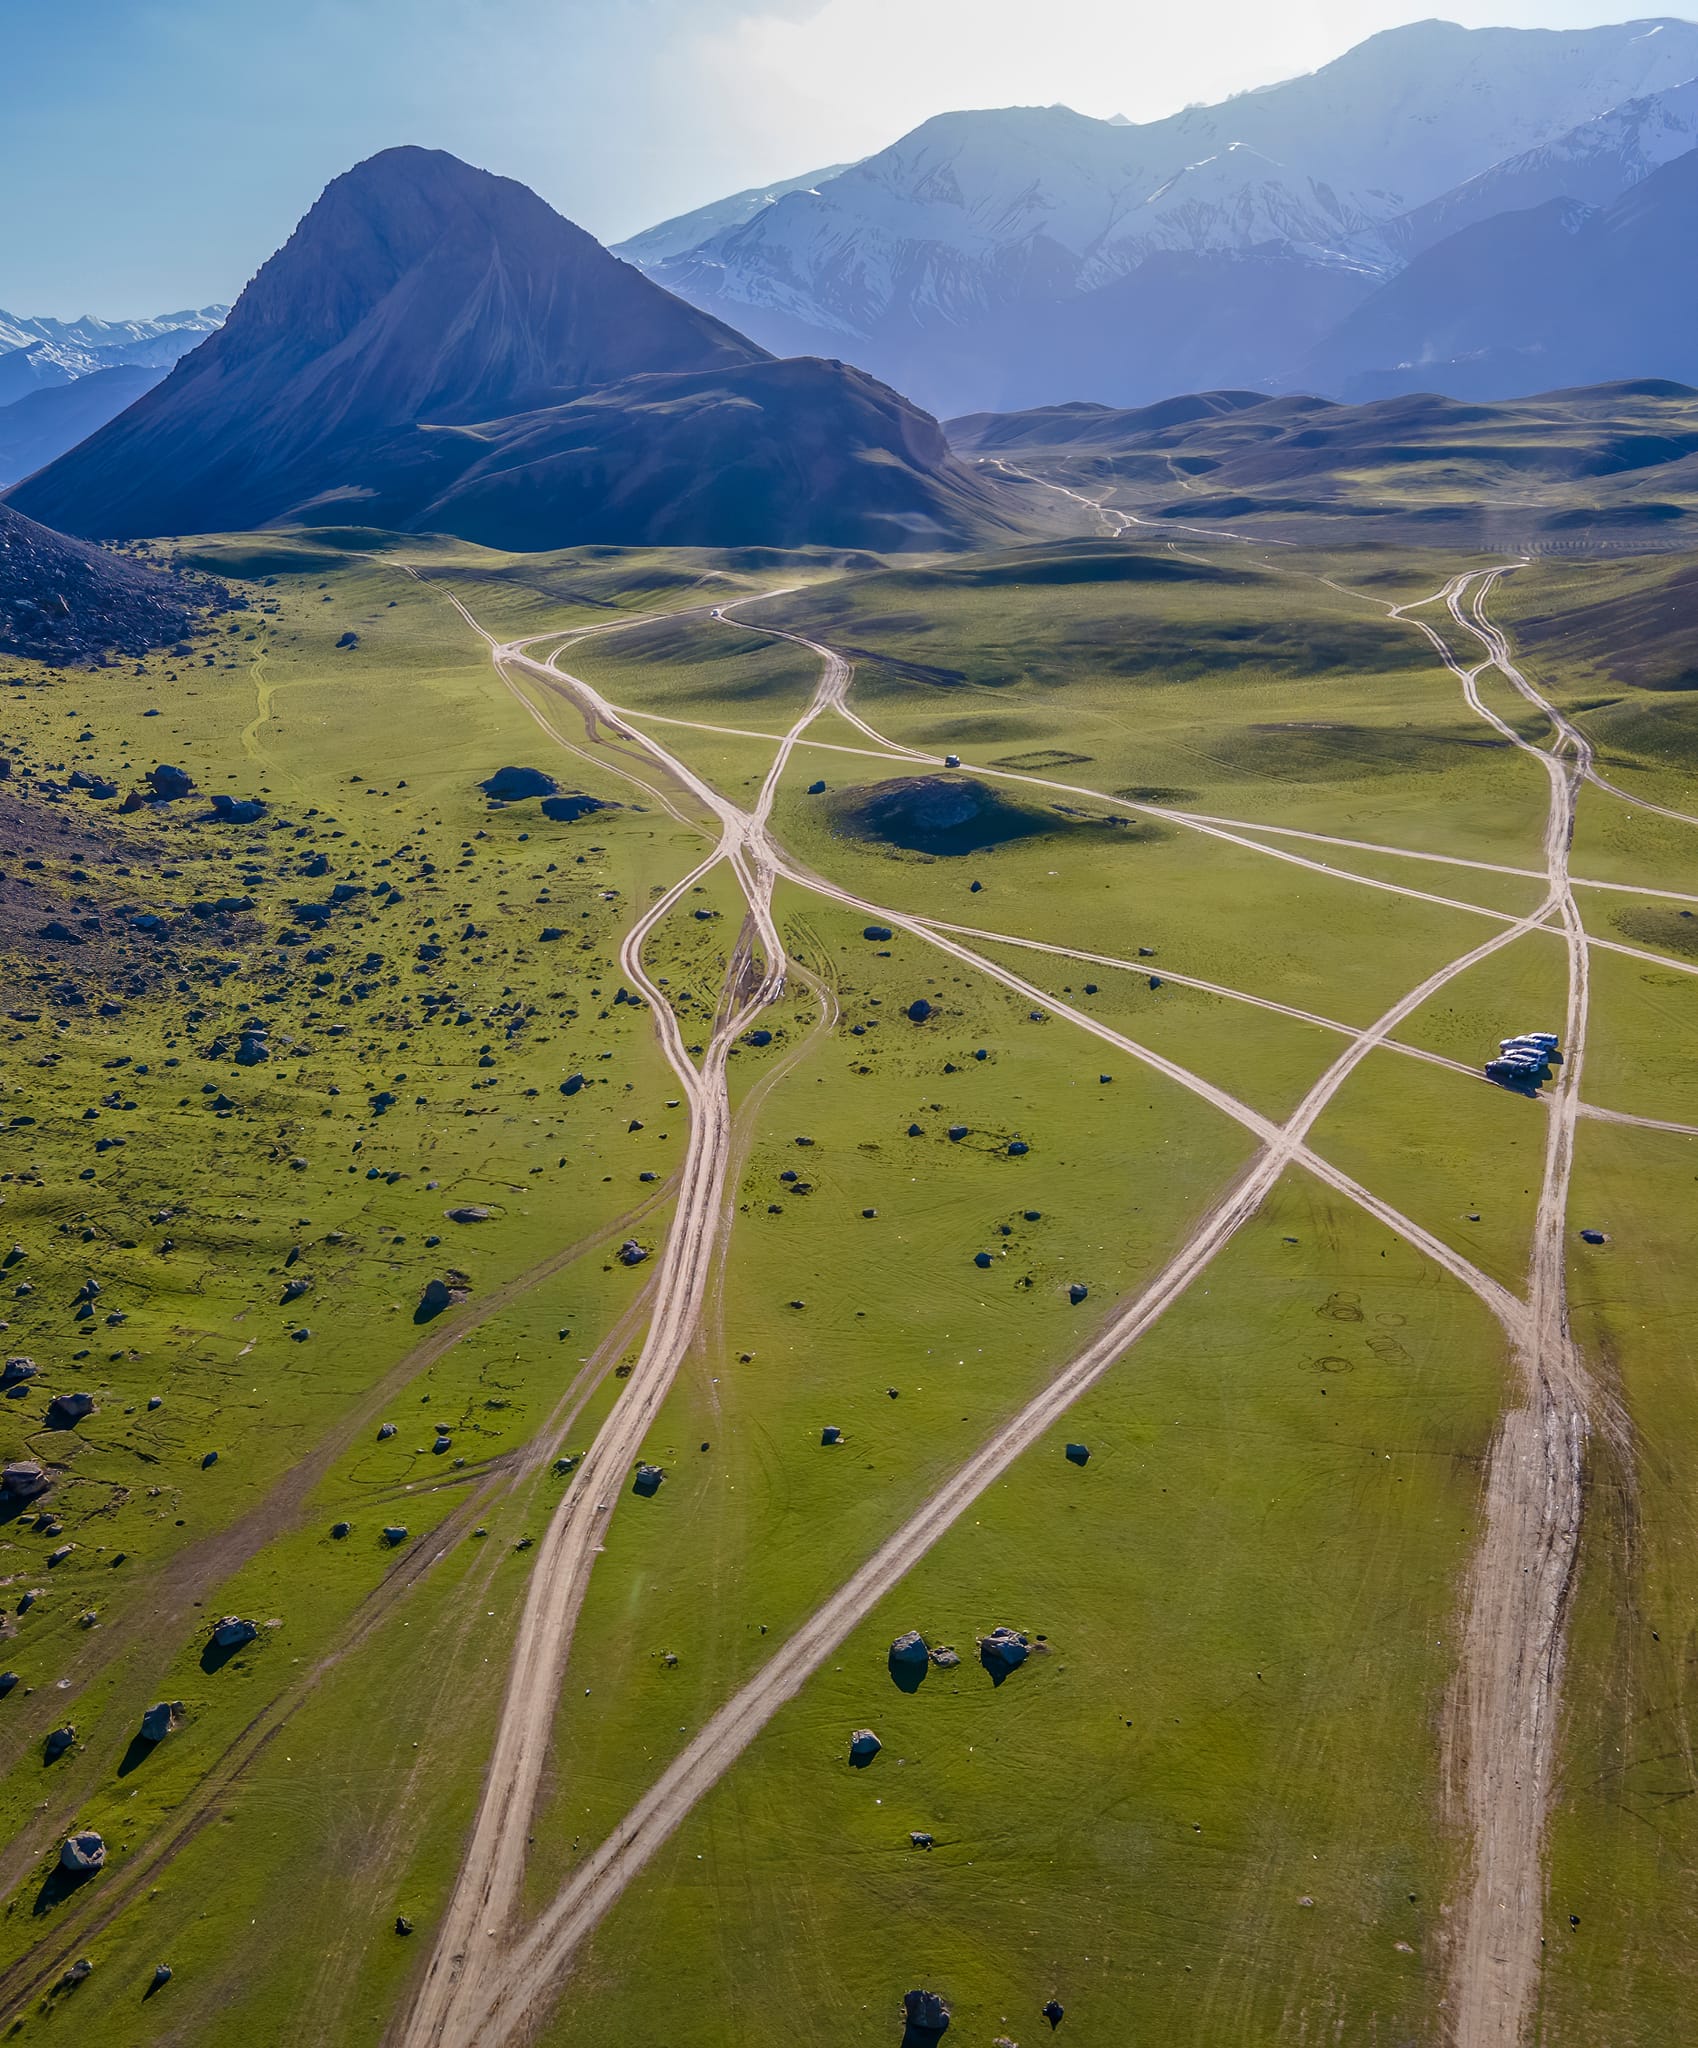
(439, 1294)
(927, 2015)
(1078, 1454)
(23, 1480)
(1003, 1651)
(161, 1720)
(469, 1212)
(1077, 1292)
(864, 1745)
(233, 1633)
(65, 1411)
(81, 1854)
(1054, 2012)
(170, 784)
(631, 1253)
(919, 1010)
(647, 1480)
(58, 1742)
(878, 933)
(237, 810)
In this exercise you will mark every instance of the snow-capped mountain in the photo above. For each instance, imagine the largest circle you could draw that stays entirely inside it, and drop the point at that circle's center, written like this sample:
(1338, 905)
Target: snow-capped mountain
(36, 352)
(974, 216)
(687, 231)
(1593, 163)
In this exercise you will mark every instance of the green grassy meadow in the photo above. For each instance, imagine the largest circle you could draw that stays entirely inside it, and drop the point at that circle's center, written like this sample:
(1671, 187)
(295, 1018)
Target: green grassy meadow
(279, 1050)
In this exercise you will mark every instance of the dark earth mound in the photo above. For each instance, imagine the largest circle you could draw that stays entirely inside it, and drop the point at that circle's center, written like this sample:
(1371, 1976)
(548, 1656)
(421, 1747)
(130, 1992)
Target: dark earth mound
(941, 814)
(69, 604)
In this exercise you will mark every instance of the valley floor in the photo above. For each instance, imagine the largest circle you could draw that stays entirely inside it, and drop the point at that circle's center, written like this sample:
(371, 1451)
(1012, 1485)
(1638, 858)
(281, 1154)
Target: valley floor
(962, 1110)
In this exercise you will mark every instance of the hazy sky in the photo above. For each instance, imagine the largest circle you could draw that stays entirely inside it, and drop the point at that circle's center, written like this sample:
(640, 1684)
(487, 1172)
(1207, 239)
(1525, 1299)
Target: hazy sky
(157, 151)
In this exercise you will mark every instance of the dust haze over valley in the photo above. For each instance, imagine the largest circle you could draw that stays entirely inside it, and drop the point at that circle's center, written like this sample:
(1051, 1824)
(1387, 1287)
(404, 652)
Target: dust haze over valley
(848, 1082)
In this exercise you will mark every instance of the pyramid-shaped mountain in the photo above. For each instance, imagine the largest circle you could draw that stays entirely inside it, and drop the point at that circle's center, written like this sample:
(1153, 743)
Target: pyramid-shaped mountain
(436, 349)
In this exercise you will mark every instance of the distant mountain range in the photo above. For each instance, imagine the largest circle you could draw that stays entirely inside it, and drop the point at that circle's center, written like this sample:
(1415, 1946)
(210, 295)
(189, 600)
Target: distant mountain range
(1022, 256)
(35, 353)
(435, 349)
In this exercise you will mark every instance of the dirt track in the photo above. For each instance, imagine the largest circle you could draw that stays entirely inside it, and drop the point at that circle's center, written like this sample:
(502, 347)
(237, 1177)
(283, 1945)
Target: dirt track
(478, 1996)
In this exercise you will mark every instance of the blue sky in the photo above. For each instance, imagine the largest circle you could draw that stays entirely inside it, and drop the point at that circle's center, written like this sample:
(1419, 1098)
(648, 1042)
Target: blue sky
(157, 151)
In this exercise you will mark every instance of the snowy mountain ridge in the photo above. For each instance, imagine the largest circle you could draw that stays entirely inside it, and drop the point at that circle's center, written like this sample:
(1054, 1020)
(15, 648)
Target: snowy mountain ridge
(973, 214)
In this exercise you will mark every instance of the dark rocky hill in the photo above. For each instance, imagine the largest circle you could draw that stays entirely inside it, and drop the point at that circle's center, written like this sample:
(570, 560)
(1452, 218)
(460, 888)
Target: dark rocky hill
(66, 603)
(437, 347)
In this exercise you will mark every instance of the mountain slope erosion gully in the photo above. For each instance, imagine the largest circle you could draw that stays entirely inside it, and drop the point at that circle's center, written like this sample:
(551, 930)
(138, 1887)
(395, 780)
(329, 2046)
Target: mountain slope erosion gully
(490, 1981)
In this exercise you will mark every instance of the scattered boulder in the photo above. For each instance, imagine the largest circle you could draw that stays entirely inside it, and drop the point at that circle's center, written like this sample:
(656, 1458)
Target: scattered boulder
(647, 1481)
(513, 785)
(981, 1259)
(1078, 1454)
(237, 810)
(294, 1289)
(878, 933)
(571, 1084)
(161, 1720)
(1003, 1651)
(233, 1633)
(23, 1480)
(919, 1010)
(437, 1295)
(341, 1529)
(16, 1371)
(956, 1133)
(81, 1854)
(945, 1657)
(926, 2014)
(385, 1430)
(1592, 1237)
(161, 1977)
(394, 1535)
(816, 789)
(8, 1683)
(253, 1050)
(831, 1434)
(1018, 1148)
(1077, 1292)
(58, 1742)
(402, 1924)
(1054, 2012)
(919, 1838)
(469, 1212)
(909, 1659)
(170, 784)
(631, 1253)
(79, 1972)
(758, 1038)
(864, 1745)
